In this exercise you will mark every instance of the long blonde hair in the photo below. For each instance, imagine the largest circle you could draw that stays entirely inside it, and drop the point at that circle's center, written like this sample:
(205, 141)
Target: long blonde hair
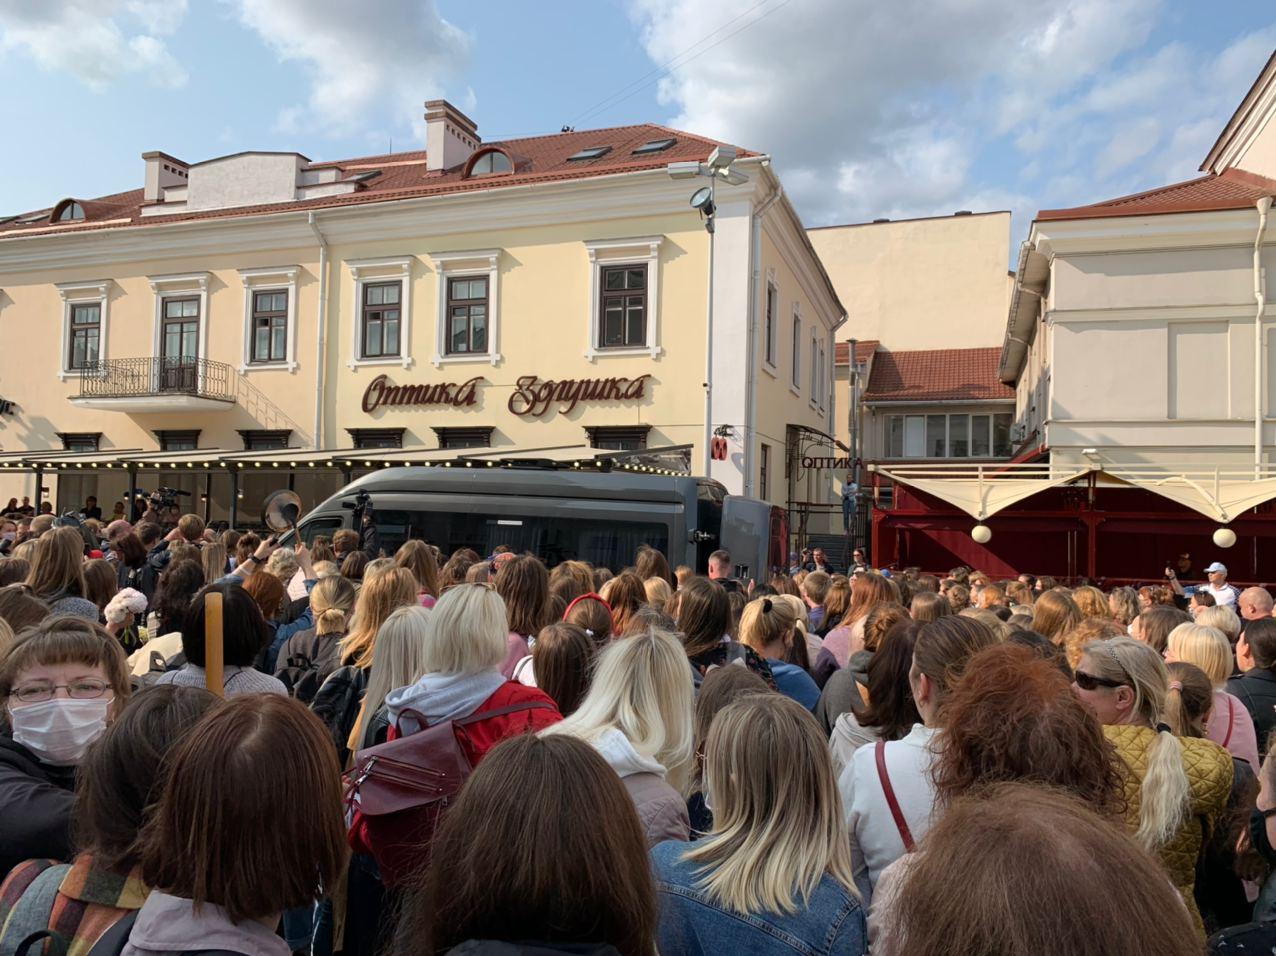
(399, 661)
(1204, 646)
(1165, 794)
(642, 687)
(777, 817)
(332, 602)
(378, 599)
(57, 570)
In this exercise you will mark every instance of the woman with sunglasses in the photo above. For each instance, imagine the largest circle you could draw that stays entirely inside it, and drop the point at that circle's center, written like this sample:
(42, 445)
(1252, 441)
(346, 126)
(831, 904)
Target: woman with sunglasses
(1176, 788)
(61, 683)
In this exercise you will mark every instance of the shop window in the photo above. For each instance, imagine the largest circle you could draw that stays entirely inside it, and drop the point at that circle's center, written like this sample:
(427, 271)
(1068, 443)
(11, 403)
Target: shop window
(618, 437)
(80, 441)
(178, 440)
(265, 439)
(376, 437)
(471, 437)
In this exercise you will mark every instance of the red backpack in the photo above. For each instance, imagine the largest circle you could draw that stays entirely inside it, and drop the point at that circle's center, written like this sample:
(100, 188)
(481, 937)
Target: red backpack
(396, 792)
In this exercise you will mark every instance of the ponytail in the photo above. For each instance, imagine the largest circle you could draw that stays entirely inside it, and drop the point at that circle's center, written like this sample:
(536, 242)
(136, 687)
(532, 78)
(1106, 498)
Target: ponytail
(1166, 793)
(333, 620)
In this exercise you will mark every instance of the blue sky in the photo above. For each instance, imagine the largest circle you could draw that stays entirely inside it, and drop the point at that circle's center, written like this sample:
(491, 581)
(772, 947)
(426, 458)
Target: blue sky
(915, 107)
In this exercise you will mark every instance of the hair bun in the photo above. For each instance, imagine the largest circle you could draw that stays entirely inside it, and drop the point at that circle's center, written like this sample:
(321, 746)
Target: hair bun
(767, 605)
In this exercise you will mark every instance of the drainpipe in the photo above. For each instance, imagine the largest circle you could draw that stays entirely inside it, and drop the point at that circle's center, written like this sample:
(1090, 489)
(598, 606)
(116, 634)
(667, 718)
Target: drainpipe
(322, 329)
(1260, 298)
(751, 426)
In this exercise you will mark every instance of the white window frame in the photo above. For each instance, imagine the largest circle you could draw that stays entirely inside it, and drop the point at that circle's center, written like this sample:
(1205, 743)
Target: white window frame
(643, 250)
(795, 333)
(457, 265)
(771, 337)
(364, 271)
(96, 292)
(279, 279)
(178, 286)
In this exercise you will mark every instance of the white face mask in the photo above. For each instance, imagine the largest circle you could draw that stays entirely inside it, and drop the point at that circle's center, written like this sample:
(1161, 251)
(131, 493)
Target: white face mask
(58, 731)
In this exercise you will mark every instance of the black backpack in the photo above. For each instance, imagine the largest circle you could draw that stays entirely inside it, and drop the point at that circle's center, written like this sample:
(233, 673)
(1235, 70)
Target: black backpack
(337, 705)
(301, 672)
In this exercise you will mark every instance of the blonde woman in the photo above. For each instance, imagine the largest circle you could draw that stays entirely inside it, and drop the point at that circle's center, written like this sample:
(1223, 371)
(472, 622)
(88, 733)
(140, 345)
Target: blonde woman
(1229, 724)
(399, 661)
(773, 875)
(659, 591)
(1124, 605)
(813, 642)
(378, 599)
(57, 574)
(1224, 619)
(769, 626)
(1091, 602)
(638, 715)
(313, 654)
(1125, 683)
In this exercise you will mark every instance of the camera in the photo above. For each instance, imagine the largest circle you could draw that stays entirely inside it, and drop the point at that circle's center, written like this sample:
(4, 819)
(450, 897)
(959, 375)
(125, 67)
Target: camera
(361, 506)
(160, 497)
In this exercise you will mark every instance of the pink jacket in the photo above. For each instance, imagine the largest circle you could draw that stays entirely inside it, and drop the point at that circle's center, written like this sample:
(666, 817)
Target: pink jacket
(1231, 726)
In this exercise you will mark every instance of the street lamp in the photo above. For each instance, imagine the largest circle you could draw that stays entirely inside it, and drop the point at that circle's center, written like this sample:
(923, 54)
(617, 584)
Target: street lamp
(704, 201)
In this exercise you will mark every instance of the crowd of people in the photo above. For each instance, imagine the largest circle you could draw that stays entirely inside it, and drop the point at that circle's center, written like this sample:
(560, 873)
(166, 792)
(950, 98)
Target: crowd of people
(422, 752)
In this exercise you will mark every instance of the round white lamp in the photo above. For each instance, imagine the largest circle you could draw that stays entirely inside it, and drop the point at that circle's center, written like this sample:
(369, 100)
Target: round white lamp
(1224, 537)
(981, 533)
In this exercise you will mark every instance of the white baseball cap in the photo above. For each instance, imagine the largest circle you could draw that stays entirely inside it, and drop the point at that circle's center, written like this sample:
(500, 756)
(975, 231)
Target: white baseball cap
(1216, 566)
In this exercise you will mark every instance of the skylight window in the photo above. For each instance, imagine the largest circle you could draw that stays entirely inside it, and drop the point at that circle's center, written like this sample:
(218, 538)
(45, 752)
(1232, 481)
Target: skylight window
(364, 177)
(590, 152)
(655, 146)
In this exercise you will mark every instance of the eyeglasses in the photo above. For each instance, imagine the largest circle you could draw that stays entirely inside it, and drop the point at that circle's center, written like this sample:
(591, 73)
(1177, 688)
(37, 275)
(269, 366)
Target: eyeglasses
(87, 689)
(1090, 682)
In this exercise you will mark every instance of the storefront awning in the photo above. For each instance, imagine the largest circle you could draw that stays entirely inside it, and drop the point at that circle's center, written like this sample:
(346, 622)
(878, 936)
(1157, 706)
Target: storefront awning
(1221, 494)
(981, 490)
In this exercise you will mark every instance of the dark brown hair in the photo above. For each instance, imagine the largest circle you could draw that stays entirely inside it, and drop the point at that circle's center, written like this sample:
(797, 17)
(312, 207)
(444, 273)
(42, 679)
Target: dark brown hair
(512, 861)
(100, 582)
(928, 605)
(1157, 621)
(242, 624)
(1260, 635)
(784, 584)
(523, 583)
(352, 565)
(418, 557)
(130, 549)
(120, 775)
(721, 686)
(562, 659)
(1013, 717)
(246, 546)
(944, 647)
(20, 608)
(593, 614)
(704, 615)
(1030, 861)
(13, 571)
(891, 706)
(250, 814)
(626, 596)
(651, 563)
(177, 585)
(453, 571)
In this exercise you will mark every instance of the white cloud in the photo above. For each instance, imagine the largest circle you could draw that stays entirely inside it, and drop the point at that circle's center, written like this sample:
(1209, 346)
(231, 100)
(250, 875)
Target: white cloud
(923, 107)
(363, 66)
(95, 40)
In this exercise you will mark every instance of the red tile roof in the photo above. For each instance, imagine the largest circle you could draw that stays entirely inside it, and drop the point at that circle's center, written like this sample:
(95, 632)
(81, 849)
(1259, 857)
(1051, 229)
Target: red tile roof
(1232, 189)
(936, 375)
(863, 349)
(538, 159)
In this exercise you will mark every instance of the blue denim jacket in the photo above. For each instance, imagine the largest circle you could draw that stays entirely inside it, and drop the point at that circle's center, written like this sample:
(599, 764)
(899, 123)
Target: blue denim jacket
(691, 924)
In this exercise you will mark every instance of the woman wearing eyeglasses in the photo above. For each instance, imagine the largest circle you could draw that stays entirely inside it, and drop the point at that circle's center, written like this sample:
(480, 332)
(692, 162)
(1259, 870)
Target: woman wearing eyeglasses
(1176, 788)
(61, 683)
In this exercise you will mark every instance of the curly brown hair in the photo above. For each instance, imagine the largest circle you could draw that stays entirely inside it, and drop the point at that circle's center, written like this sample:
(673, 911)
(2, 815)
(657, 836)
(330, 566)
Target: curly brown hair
(1013, 717)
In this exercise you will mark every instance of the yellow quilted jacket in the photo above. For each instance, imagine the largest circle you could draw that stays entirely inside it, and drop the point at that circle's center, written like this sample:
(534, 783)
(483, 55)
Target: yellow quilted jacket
(1209, 770)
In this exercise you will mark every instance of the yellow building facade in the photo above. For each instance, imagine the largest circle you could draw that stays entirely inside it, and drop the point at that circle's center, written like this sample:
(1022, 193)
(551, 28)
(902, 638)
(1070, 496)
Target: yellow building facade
(240, 323)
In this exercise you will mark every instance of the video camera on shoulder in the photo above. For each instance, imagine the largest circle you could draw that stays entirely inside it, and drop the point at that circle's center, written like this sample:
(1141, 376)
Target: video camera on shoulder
(160, 497)
(361, 506)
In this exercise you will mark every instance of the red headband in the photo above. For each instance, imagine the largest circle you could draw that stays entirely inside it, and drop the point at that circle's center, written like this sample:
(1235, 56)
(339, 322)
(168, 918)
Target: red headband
(591, 596)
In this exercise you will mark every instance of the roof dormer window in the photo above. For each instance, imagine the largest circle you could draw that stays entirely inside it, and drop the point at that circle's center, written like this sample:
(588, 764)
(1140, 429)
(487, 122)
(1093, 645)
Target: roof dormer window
(489, 162)
(590, 152)
(67, 211)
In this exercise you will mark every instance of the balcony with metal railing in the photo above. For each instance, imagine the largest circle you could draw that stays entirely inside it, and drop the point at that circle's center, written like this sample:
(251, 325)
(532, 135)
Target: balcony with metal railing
(157, 385)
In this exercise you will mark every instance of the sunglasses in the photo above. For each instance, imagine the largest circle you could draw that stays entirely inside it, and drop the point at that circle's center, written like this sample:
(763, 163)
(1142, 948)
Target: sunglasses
(1090, 682)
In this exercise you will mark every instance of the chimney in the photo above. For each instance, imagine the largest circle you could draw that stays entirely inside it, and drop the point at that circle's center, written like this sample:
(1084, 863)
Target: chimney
(451, 137)
(162, 172)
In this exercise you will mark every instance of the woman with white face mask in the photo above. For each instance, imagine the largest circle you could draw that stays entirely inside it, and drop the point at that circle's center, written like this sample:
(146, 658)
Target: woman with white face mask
(61, 683)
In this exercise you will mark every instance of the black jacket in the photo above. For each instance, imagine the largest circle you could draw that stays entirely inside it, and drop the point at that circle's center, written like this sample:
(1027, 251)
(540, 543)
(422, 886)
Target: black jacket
(1256, 689)
(35, 807)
